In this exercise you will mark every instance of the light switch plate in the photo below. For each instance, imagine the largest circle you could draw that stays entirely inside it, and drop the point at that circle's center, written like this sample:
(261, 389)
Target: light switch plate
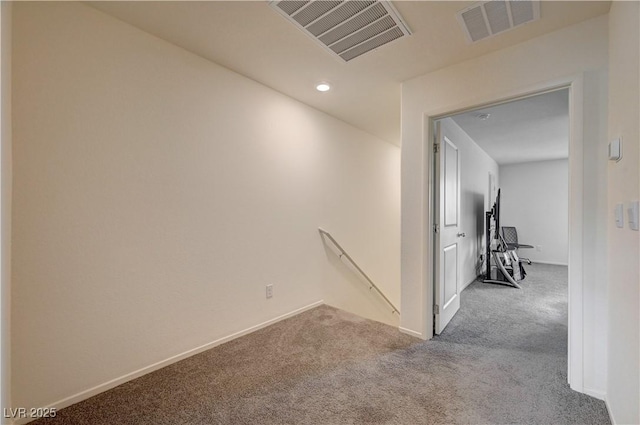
(633, 215)
(619, 214)
(615, 149)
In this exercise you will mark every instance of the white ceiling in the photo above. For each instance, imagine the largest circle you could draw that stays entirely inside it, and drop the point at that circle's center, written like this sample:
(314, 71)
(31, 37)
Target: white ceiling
(531, 129)
(252, 39)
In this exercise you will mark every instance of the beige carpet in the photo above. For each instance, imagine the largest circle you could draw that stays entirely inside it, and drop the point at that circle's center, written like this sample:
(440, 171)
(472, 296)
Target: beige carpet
(501, 360)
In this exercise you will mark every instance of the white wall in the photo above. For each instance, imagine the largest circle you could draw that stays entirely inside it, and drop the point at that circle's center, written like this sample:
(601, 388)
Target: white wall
(156, 194)
(623, 386)
(575, 55)
(535, 199)
(5, 210)
(475, 165)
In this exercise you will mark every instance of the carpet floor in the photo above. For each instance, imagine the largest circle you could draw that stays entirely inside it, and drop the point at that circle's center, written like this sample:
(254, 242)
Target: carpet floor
(501, 360)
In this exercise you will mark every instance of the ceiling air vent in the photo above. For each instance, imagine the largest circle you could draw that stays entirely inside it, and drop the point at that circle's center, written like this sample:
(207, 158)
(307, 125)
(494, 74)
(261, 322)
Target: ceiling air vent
(488, 18)
(347, 29)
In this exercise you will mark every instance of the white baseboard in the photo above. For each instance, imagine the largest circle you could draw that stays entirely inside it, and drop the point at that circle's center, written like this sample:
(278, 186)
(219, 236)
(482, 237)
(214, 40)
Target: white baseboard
(594, 393)
(76, 398)
(611, 418)
(411, 332)
(473, 280)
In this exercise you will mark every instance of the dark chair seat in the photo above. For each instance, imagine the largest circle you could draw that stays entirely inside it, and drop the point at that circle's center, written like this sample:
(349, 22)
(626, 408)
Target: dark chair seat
(510, 237)
(518, 245)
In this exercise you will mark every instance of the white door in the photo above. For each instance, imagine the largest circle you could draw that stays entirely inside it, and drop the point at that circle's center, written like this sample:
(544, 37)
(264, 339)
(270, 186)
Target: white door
(448, 235)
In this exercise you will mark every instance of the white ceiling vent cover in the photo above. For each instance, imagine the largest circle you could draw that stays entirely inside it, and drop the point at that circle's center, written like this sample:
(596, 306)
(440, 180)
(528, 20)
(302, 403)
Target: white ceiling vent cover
(347, 29)
(486, 19)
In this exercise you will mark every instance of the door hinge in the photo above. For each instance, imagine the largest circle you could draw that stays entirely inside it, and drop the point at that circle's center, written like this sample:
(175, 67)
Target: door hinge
(436, 228)
(436, 309)
(436, 148)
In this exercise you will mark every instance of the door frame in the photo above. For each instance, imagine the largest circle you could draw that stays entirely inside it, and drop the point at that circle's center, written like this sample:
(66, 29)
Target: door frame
(575, 85)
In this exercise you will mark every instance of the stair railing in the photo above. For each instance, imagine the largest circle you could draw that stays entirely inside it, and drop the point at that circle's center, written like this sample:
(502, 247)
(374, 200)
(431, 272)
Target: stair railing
(372, 285)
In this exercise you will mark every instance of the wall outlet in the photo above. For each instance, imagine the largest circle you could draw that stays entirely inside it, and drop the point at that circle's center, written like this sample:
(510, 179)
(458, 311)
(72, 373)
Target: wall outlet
(539, 248)
(269, 291)
(619, 216)
(634, 220)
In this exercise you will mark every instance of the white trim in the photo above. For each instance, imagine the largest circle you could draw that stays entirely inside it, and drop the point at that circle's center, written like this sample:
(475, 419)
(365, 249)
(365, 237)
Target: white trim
(575, 346)
(428, 219)
(606, 404)
(473, 280)
(83, 395)
(410, 332)
(595, 393)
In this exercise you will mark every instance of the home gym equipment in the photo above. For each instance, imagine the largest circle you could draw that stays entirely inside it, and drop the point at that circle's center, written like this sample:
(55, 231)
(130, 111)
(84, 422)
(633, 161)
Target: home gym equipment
(502, 264)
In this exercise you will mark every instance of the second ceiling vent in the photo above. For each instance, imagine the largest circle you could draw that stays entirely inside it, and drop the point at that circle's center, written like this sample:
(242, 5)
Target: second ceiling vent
(486, 19)
(347, 29)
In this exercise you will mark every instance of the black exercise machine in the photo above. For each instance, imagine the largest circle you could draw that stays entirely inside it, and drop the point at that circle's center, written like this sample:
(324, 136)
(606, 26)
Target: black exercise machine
(503, 266)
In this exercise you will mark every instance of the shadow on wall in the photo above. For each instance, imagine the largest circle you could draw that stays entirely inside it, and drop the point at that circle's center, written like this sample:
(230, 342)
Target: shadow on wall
(478, 203)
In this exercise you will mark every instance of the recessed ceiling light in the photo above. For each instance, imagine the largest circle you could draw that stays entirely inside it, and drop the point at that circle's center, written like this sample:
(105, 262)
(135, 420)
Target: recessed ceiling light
(484, 117)
(323, 87)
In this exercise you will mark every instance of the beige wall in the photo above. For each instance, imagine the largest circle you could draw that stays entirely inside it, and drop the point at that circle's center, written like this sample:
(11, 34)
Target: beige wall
(577, 53)
(5, 210)
(156, 194)
(623, 393)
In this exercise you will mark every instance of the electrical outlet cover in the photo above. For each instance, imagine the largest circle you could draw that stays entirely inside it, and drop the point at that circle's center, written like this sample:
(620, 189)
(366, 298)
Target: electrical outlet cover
(619, 215)
(633, 215)
(615, 150)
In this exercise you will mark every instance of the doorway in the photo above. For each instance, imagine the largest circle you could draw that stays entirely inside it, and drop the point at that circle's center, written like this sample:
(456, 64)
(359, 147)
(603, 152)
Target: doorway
(488, 178)
(442, 94)
(526, 143)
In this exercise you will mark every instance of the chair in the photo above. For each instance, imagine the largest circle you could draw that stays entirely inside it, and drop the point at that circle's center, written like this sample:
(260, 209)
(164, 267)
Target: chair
(510, 235)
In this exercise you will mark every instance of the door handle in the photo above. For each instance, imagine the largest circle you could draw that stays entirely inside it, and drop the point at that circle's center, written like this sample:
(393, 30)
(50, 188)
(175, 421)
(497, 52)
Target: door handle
(461, 235)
